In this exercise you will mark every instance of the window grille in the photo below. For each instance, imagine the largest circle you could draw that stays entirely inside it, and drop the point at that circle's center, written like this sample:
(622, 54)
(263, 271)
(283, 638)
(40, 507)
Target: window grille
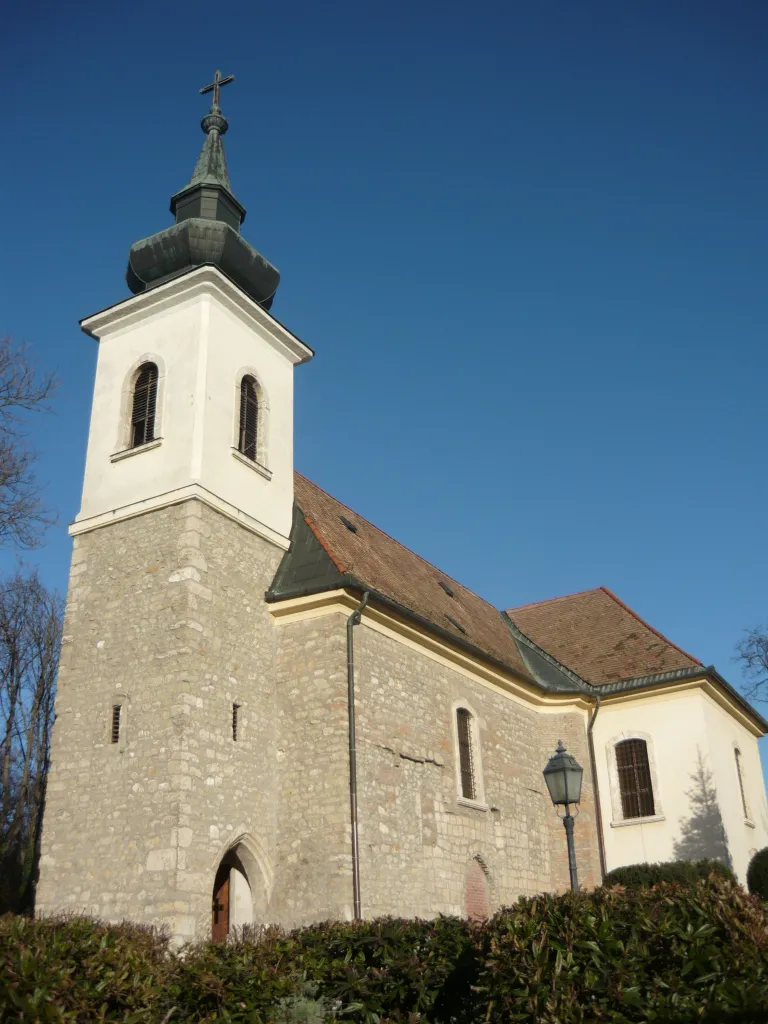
(116, 709)
(466, 754)
(249, 418)
(235, 709)
(144, 406)
(634, 779)
(737, 754)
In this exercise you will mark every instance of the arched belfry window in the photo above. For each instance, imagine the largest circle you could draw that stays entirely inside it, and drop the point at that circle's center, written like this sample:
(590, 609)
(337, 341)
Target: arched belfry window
(144, 405)
(249, 418)
(635, 783)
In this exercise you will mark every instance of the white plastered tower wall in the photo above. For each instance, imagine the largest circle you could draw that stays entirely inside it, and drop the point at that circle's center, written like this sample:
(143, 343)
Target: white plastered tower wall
(204, 334)
(174, 547)
(679, 725)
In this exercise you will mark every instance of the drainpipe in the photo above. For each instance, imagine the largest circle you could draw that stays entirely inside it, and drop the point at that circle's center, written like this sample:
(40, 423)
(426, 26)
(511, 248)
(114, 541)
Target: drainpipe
(593, 765)
(352, 621)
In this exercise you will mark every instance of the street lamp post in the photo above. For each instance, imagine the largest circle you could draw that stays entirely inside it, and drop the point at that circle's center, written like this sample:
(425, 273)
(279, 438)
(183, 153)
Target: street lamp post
(563, 776)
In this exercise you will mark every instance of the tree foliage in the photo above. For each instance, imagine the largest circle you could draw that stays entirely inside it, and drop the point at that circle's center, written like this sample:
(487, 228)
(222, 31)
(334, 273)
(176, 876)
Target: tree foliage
(684, 872)
(757, 874)
(30, 637)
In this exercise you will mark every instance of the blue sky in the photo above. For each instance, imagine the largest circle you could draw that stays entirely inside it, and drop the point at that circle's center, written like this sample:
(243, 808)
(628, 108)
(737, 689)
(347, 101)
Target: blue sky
(527, 241)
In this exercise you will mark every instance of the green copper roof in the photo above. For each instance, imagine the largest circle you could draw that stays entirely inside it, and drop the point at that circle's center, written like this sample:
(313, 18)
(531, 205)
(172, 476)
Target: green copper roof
(211, 166)
(207, 228)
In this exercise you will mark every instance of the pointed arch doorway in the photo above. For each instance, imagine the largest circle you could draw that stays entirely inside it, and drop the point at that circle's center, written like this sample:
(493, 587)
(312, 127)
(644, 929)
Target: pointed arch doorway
(241, 888)
(220, 910)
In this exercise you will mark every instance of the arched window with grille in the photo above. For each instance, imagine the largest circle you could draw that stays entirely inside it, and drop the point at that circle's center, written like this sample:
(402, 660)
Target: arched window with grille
(248, 438)
(635, 784)
(144, 405)
(467, 759)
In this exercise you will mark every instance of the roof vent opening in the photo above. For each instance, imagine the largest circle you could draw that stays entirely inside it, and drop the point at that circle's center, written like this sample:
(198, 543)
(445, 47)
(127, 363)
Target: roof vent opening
(350, 526)
(446, 588)
(453, 622)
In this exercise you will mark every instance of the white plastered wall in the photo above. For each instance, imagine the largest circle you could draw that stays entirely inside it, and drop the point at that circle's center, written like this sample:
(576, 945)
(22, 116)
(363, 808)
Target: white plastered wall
(677, 727)
(204, 334)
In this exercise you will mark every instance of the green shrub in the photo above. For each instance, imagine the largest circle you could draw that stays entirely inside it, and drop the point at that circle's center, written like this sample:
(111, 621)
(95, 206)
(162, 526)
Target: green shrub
(668, 953)
(387, 969)
(76, 969)
(685, 872)
(757, 874)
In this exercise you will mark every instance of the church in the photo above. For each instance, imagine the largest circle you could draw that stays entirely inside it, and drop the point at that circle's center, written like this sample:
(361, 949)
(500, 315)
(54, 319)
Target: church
(269, 710)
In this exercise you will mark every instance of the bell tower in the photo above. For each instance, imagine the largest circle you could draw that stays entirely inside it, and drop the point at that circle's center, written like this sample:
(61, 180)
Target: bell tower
(186, 511)
(200, 317)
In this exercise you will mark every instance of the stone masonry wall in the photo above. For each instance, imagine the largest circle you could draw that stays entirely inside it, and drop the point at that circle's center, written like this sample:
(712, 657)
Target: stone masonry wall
(314, 844)
(165, 615)
(418, 841)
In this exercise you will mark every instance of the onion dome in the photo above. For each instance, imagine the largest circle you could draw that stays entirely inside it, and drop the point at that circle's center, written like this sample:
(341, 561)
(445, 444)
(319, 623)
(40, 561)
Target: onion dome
(207, 228)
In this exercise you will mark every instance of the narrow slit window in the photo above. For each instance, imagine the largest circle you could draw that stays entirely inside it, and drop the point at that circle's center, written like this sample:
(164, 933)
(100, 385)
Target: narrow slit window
(635, 783)
(466, 754)
(144, 406)
(235, 709)
(249, 418)
(116, 713)
(740, 774)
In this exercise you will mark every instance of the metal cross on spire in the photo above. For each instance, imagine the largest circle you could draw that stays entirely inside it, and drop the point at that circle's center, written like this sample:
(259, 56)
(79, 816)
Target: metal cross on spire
(216, 85)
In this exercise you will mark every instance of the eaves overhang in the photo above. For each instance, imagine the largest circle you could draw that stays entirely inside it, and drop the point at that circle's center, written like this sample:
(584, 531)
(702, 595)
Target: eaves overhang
(668, 680)
(125, 313)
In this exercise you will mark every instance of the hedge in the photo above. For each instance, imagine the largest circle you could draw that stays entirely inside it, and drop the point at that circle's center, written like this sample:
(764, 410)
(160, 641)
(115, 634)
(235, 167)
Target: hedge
(686, 872)
(757, 874)
(670, 953)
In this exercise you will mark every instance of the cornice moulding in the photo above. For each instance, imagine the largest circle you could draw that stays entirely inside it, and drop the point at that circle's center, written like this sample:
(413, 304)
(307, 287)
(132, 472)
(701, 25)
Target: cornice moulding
(386, 622)
(200, 282)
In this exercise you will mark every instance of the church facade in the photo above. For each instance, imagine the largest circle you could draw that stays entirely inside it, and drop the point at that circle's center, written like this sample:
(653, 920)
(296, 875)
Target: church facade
(270, 711)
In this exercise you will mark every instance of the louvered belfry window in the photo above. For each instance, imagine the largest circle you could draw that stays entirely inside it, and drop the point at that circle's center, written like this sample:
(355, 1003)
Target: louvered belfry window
(144, 406)
(115, 735)
(466, 754)
(634, 779)
(249, 417)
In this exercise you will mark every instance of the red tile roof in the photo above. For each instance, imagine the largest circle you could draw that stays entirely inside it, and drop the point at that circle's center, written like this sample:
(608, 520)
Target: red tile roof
(599, 637)
(380, 563)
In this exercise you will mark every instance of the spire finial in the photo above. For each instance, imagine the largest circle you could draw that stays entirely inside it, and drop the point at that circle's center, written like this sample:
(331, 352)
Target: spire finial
(215, 88)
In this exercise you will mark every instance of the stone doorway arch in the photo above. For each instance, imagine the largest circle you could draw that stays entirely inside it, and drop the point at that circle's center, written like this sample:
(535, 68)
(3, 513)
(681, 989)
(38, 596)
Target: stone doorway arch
(241, 887)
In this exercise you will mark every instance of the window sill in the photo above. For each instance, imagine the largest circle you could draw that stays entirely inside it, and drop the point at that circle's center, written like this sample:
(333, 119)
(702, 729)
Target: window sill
(128, 452)
(255, 466)
(638, 821)
(475, 804)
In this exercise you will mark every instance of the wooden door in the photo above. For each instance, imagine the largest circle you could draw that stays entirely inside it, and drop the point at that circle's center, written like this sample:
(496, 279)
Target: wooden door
(220, 914)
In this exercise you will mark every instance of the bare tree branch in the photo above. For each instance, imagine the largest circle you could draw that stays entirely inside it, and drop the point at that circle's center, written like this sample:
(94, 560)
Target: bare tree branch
(30, 639)
(23, 518)
(752, 652)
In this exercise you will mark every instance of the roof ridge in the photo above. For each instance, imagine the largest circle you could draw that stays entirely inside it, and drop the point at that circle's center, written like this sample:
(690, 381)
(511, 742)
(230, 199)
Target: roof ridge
(647, 625)
(551, 600)
(394, 540)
